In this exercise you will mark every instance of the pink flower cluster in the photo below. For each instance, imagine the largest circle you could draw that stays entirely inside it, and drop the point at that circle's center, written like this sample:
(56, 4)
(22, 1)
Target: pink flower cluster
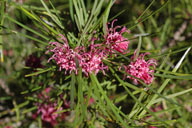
(141, 69)
(114, 40)
(48, 113)
(64, 56)
(91, 60)
(48, 110)
(69, 59)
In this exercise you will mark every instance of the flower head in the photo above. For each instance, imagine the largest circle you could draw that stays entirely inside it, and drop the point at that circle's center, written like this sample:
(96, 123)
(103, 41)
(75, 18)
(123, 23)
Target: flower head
(64, 56)
(8, 127)
(141, 69)
(48, 113)
(46, 108)
(70, 60)
(91, 61)
(49, 109)
(114, 40)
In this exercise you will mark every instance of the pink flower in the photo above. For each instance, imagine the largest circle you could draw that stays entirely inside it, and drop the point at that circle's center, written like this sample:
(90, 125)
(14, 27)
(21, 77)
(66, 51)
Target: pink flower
(91, 61)
(91, 100)
(49, 109)
(141, 69)
(114, 40)
(45, 93)
(64, 56)
(48, 113)
(8, 127)
(152, 127)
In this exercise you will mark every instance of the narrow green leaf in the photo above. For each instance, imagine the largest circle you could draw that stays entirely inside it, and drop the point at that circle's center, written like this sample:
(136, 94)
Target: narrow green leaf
(2, 17)
(32, 38)
(27, 28)
(35, 8)
(145, 18)
(55, 10)
(53, 17)
(105, 17)
(172, 73)
(80, 95)
(71, 9)
(17, 110)
(28, 13)
(29, 110)
(40, 72)
(171, 53)
(20, 105)
(78, 15)
(72, 91)
(39, 121)
(172, 95)
(84, 10)
(145, 11)
(185, 77)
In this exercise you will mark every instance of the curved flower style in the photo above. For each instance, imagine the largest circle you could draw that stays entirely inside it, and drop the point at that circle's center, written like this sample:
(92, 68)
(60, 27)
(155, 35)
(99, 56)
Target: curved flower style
(115, 41)
(141, 69)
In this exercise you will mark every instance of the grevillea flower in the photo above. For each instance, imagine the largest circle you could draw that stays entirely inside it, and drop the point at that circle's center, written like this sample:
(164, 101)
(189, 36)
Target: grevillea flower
(141, 68)
(64, 56)
(152, 127)
(49, 109)
(48, 113)
(46, 108)
(114, 40)
(91, 61)
(70, 60)
(8, 127)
